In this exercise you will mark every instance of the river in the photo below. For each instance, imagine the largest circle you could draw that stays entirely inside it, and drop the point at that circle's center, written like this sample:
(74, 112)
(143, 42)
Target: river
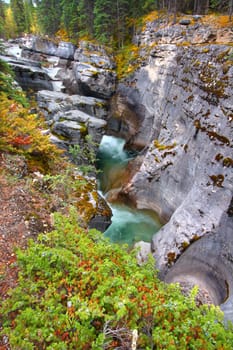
(129, 225)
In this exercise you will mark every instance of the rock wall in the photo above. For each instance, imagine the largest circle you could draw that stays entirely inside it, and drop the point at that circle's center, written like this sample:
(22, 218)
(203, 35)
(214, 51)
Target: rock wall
(85, 70)
(186, 138)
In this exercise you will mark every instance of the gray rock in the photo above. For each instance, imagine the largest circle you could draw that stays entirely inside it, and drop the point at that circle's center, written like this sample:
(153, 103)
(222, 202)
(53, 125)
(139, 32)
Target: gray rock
(48, 47)
(94, 81)
(186, 139)
(72, 117)
(29, 74)
(52, 103)
(91, 74)
(102, 218)
(144, 251)
(70, 130)
(184, 22)
(208, 264)
(94, 55)
(66, 50)
(183, 32)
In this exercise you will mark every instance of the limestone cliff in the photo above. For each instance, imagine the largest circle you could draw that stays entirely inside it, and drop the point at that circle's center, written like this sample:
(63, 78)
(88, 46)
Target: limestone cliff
(177, 107)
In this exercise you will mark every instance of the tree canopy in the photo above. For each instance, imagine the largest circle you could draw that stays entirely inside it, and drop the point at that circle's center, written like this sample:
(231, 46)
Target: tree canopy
(109, 21)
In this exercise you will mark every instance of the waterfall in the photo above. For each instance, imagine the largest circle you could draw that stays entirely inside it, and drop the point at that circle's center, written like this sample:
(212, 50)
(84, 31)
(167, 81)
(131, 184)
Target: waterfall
(129, 225)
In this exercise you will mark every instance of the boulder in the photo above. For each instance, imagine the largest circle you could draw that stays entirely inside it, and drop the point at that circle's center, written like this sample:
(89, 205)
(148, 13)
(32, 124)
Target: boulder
(102, 217)
(52, 103)
(45, 46)
(72, 117)
(93, 81)
(94, 55)
(184, 22)
(144, 249)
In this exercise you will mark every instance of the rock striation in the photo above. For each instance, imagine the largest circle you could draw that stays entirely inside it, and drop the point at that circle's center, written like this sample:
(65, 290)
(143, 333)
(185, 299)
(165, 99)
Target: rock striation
(72, 117)
(69, 82)
(86, 70)
(177, 110)
(73, 85)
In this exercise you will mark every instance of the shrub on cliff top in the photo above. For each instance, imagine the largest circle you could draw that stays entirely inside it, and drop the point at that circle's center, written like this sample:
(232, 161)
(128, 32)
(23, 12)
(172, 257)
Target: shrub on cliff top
(78, 291)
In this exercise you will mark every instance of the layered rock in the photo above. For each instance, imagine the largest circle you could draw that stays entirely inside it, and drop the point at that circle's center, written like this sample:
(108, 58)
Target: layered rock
(73, 120)
(87, 70)
(190, 30)
(38, 48)
(29, 74)
(72, 117)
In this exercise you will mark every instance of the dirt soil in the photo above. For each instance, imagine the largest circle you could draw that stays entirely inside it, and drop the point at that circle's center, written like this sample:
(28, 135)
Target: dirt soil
(23, 215)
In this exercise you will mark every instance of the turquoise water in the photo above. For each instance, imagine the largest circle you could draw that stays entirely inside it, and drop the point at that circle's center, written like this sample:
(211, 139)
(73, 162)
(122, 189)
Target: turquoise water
(129, 225)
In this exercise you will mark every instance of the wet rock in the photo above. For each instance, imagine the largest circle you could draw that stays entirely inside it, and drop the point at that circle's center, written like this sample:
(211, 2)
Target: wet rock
(102, 218)
(87, 70)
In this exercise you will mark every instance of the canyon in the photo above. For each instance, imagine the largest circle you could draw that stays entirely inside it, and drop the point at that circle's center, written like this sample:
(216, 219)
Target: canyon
(175, 111)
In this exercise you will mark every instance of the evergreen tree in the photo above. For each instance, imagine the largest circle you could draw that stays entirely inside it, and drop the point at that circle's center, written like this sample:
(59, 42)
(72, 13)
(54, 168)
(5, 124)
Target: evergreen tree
(18, 11)
(86, 17)
(29, 15)
(69, 19)
(2, 18)
(10, 28)
(104, 20)
(49, 15)
(230, 9)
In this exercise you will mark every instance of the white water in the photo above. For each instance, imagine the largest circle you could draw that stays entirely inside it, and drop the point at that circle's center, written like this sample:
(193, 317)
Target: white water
(128, 225)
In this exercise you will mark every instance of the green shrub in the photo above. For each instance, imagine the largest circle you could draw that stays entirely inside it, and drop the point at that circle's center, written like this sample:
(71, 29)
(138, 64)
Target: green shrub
(78, 291)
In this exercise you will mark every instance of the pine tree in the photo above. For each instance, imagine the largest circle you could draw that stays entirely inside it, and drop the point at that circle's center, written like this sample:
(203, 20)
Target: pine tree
(104, 20)
(10, 27)
(86, 17)
(2, 18)
(69, 19)
(18, 11)
(29, 15)
(110, 21)
(49, 15)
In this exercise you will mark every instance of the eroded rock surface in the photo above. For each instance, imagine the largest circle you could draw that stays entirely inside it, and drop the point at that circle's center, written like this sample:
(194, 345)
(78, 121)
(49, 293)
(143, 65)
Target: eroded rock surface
(185, 135)
(29, 74)
(72, 117)
(86, 70)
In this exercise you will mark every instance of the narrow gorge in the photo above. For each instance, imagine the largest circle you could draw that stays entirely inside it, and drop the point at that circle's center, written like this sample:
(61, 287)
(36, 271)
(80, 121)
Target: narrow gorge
(174, 112)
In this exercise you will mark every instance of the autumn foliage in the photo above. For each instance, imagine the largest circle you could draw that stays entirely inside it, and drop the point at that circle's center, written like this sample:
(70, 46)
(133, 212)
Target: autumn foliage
(78, 291)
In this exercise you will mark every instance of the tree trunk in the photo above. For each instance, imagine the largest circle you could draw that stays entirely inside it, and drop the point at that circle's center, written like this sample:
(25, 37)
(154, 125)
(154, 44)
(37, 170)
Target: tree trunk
(230, 9)
(207, 7)
(195, 6)
(174, 11)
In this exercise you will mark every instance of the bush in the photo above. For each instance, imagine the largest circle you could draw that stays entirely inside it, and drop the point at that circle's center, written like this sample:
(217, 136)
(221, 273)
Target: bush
(21, 133)
(78, 291)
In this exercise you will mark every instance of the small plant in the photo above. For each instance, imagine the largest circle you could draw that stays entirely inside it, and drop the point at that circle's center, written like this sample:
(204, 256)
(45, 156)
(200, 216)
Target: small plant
(76, 291)
(126, 60)
(84, 156)
(21, 133)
